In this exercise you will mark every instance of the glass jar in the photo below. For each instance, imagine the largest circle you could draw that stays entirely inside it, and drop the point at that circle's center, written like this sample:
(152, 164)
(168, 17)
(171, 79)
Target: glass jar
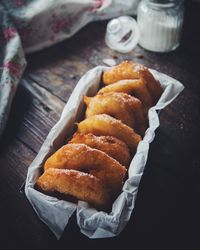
(160, 23)
(122, 34)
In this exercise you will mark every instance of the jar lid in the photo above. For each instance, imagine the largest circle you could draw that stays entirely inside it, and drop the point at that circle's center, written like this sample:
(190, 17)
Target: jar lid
(167, 3)
(163, 1)
(122, 34)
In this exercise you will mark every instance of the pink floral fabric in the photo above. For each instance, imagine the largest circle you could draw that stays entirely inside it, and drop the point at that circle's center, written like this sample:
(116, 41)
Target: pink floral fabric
(9, 33)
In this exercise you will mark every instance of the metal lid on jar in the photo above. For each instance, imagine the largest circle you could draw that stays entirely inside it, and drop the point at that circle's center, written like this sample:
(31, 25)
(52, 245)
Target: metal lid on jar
(122, 34)
(167, 3)
(163, 1)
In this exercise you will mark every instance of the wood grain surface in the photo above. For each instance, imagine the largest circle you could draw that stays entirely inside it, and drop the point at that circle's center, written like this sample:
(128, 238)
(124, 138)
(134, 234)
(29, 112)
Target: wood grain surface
(167, 210)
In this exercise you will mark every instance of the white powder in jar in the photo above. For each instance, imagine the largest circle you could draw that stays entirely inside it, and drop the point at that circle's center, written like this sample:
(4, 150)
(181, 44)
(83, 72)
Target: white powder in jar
(159, 31)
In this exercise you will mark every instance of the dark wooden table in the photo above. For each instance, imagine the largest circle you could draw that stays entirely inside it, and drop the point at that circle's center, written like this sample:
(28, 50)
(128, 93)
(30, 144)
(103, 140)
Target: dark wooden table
(167, 212)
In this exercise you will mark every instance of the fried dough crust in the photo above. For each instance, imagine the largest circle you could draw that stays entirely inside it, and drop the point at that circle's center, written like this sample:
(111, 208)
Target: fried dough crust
(121, 106)
(110, 145)
(131, 70)
(136, 88)
(81, 185)
(106, 125)
(90, 160)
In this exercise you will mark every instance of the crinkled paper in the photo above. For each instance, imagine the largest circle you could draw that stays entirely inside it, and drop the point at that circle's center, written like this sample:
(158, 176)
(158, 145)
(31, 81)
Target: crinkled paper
(94, 224)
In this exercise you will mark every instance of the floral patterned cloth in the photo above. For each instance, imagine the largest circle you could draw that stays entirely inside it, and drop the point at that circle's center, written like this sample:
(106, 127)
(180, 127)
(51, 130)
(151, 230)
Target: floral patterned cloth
(30, 25)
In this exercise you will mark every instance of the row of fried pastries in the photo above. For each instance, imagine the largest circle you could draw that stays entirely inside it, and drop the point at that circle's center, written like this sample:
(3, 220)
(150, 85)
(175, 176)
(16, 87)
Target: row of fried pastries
(93, 165)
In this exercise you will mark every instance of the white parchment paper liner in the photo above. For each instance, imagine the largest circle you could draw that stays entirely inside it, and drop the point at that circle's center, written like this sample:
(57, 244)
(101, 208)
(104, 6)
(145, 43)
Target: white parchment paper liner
(94, 224)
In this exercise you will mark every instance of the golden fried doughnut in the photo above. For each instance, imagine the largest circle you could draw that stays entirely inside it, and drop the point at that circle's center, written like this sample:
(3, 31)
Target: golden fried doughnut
(121, 106)
(106, 125)
(81, 185)
(110, 145)
(136, 88)
(93, 161)
(124, 70)
(131, 70)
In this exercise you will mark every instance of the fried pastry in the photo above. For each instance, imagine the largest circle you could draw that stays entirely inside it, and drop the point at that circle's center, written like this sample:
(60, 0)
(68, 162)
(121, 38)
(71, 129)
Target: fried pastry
(120, 106)
(136, 88)
(110, 145)
(106, 125)
(81, 185)
(90, 160)
(130, 70)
